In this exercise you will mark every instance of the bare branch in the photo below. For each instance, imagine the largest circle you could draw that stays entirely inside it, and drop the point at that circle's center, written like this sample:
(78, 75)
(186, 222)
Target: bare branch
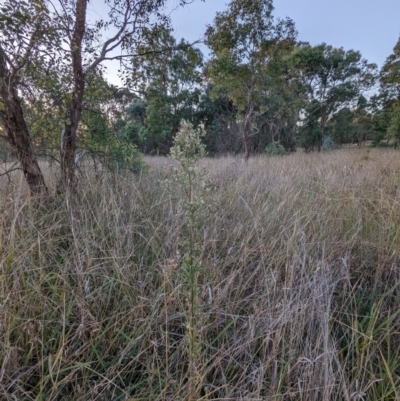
(146, 53)
(10, 171)
(4, 55)
(116, 38)
(25, 58)
(49, 156)
(63, 20)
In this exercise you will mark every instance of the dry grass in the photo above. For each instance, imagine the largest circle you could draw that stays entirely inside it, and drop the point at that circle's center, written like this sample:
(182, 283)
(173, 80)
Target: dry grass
(299, 296)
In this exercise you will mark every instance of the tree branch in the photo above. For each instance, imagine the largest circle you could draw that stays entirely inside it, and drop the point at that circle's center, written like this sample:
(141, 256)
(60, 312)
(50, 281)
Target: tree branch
(146, 53)
(116, 38)
(48, 155)
(10, 171)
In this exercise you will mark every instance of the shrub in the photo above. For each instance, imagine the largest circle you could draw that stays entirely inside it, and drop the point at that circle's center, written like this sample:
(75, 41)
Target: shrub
(328, 144)
(275, 149)
(123, 155)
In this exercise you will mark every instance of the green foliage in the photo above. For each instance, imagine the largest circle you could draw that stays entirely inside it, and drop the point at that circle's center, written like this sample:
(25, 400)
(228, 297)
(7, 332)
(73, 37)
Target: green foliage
(244, 39)
(390, 73)
(217, 115)
(393, 132)
(381, 109)
(27, 20)
(122, 154)
(131, 125)
(168, 79)
(352, 125)
(101, 131)
(334, 79)
(328, 144)
(275, 149)
(241, 40)
(55, 62)
(387, 118)
(341, 126)
(310, 132)
(246, 28)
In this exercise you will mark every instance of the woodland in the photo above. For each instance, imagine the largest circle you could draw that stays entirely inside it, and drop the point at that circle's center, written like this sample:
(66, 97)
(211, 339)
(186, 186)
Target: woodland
(259, 88)
(223, 225)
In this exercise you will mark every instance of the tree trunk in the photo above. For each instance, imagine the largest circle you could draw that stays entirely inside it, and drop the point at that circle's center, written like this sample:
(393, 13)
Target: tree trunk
(246, 129)
(68, 148)
(68, 140)
(17, 134)
(246, 142)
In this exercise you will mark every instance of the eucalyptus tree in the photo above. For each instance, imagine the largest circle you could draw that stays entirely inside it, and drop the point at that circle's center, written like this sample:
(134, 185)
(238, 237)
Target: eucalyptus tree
(341, 127)
(334, 78)
(25, 33)
(390, 74)
(352, 125)
(390, 95)
(240, 39)
(284, 99)
(169, 82)
(58, 37)
(218, 117)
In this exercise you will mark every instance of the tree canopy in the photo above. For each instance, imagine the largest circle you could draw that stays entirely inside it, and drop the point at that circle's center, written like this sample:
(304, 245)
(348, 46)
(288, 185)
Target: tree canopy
(260, 86)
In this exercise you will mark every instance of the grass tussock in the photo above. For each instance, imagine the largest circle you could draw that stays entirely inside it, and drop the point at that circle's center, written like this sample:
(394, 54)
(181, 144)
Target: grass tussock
(296, 288)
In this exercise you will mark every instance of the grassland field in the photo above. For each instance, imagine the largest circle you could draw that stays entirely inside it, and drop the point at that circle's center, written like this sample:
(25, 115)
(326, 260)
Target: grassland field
(298, 283)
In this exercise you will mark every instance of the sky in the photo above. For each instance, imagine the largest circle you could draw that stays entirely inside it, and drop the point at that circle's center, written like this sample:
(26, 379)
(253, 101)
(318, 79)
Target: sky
(370, 26)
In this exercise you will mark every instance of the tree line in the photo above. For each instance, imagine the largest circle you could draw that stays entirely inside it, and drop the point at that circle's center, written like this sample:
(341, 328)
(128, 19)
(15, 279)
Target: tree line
(260, 88)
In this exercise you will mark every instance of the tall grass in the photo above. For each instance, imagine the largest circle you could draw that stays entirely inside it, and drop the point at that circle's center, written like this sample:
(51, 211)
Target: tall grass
(298, 291)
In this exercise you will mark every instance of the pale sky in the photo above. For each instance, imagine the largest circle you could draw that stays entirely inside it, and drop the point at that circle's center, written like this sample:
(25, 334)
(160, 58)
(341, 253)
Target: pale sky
(370, 26)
